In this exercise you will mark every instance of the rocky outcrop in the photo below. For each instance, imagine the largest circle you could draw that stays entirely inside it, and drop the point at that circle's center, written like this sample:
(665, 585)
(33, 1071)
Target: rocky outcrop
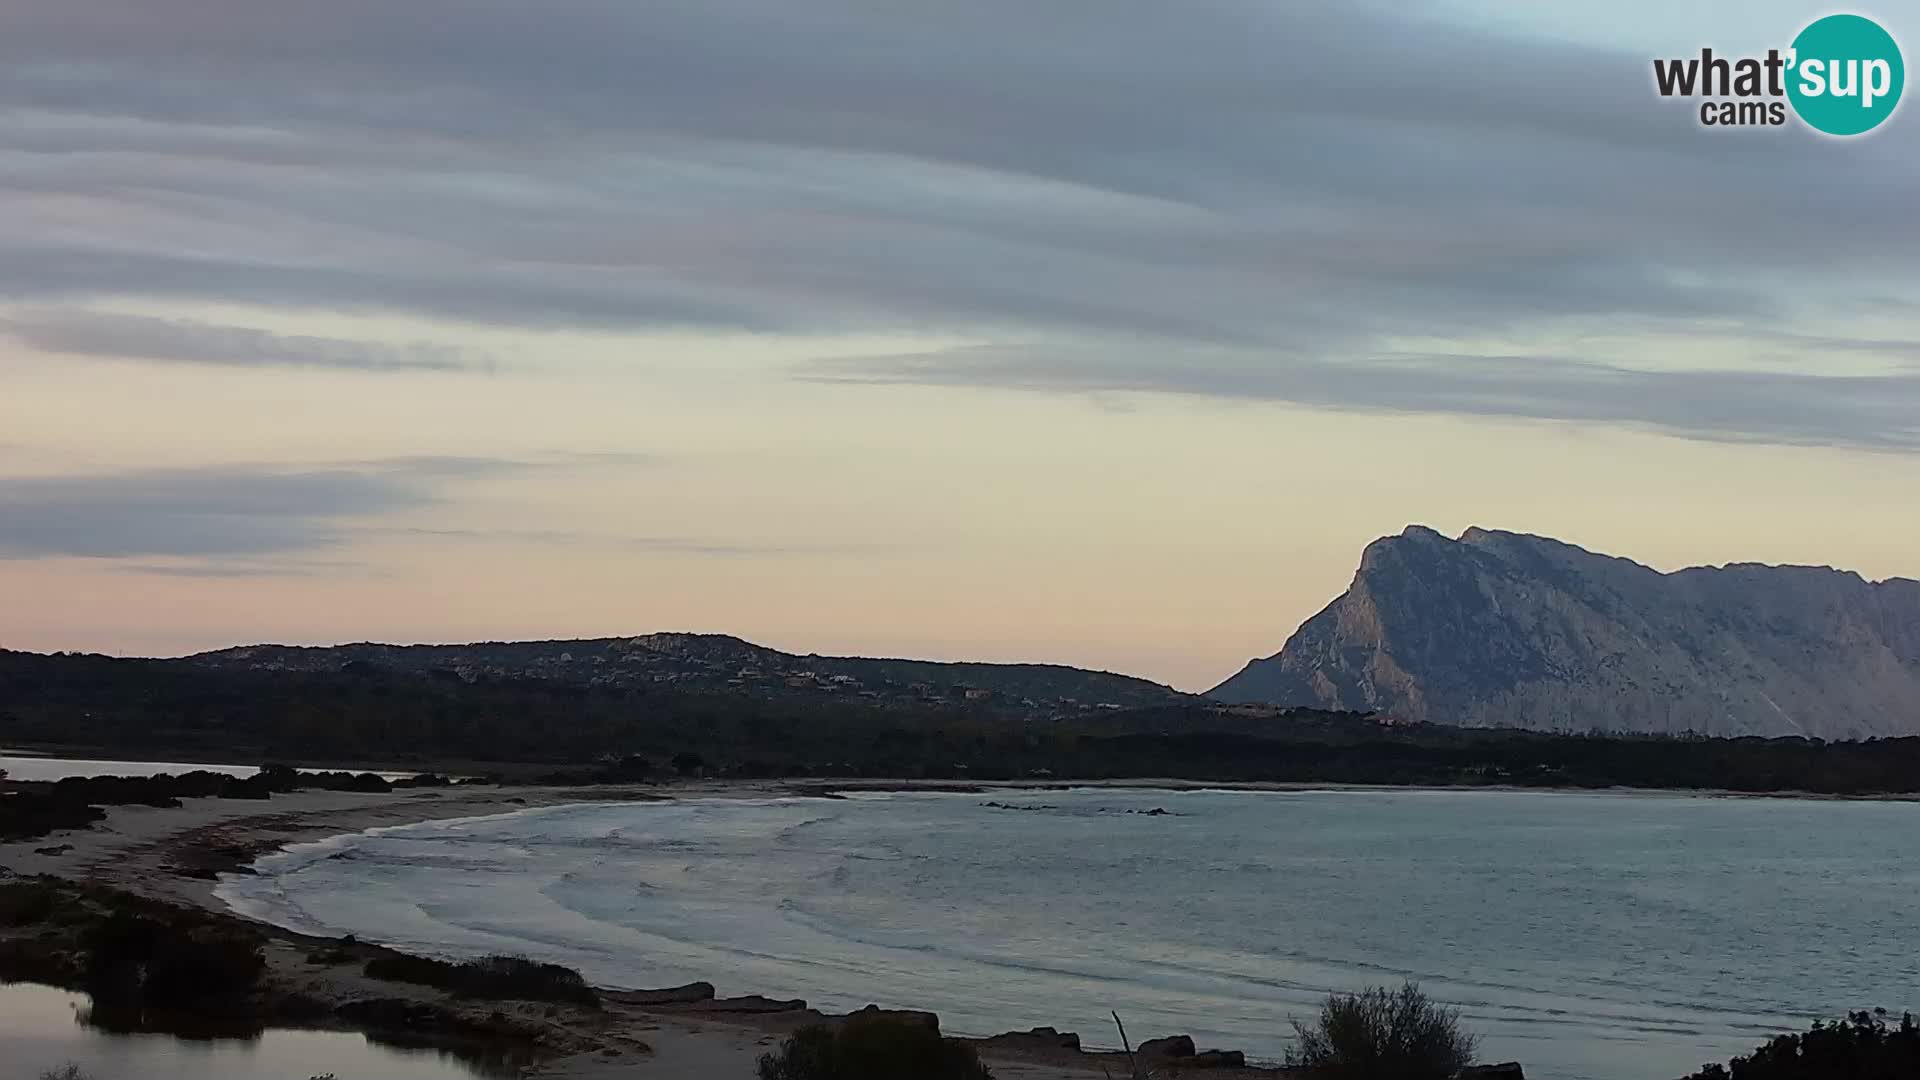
(1040, 1038)
(874, 1014)
(751, 1003)
(691, 993)
(1507, 630)
(1173, 1046)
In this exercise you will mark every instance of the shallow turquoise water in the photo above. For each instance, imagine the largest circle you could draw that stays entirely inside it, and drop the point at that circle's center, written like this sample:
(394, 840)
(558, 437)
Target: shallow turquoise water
(1592, 937)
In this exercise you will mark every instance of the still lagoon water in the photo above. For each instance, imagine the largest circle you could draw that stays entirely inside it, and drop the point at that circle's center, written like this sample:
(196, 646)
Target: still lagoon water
(19, 766)
(35, 767)
(42, 1029)
(1590, 937)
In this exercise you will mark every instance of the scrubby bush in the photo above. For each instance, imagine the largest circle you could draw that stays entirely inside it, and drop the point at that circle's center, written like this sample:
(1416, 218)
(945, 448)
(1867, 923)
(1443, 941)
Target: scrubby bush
(369, 783)
(24, 903)
(423, 780)
(1863, 1047)
(489, 977)
(1382, 1034)
(69, 1071)
(27, 817)
(252, 787)
(133, 959)
(872, 1051)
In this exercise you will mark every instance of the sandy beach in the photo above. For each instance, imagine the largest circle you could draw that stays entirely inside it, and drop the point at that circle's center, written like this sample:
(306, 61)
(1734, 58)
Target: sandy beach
(170, 855)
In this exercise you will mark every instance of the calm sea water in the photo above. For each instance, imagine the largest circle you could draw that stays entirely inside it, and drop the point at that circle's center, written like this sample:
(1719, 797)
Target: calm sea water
(31, 767)
(42, 1028)
(35, 767)
(1591, 937)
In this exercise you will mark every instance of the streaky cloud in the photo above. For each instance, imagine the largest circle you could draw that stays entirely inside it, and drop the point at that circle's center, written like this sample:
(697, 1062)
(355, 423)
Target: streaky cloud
(1317, 183)
(77, 332)
(1878, 412)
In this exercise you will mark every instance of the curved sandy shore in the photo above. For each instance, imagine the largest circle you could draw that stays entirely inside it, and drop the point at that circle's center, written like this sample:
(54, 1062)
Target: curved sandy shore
(173, 854)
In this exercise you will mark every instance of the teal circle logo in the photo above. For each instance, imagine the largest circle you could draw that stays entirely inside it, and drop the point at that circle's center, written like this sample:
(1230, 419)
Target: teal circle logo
(1846, 75)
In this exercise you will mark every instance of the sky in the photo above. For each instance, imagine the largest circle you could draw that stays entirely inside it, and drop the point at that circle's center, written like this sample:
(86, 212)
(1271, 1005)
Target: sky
(1093, 333)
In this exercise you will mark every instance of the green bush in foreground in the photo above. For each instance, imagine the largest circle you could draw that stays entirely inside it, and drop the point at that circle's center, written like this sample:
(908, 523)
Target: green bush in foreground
(1863, 1047)
(872, 1051)
(489, 977)
(1382, 1034)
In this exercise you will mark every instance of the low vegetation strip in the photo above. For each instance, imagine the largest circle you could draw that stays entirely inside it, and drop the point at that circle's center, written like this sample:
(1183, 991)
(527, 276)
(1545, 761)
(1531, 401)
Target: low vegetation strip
(557, 732)
(152, 965)
(506, 977)
(1865, 1046)
(872, 1050)
(32, 810)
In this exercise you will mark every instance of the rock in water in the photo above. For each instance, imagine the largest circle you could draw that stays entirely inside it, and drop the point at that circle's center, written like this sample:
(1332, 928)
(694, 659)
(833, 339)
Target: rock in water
(1500, 629)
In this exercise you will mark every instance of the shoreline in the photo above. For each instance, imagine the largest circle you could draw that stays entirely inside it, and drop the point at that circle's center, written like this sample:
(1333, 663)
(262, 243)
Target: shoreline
(827, 787)
(177, 855)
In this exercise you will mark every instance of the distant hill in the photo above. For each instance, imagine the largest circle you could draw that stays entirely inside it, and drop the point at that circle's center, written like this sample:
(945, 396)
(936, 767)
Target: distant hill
(721, 663)
(1509, 630)
(552, 731)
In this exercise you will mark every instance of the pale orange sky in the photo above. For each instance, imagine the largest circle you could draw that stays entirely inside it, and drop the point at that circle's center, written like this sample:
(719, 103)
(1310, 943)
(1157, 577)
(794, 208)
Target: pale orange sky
(1106, 336)
(1172, 537)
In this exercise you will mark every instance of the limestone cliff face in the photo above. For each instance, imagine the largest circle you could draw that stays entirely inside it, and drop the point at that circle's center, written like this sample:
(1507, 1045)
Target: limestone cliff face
(1508, 630)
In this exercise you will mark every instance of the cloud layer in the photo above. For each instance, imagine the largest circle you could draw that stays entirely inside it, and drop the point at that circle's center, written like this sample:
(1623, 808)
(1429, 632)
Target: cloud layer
(247, 521)
(1228, 198)
(136, 337)
(1878, 412)
(212, 512)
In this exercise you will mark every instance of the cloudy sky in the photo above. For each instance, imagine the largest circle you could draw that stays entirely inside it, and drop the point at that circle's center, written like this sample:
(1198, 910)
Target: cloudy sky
(1105, 333)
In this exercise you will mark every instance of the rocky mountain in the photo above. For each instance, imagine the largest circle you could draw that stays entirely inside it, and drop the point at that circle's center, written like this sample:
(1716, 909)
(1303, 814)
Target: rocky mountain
(720, 663)
(1509, 630)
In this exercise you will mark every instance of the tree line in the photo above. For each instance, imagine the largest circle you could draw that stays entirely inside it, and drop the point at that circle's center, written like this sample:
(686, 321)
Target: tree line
(519, 729)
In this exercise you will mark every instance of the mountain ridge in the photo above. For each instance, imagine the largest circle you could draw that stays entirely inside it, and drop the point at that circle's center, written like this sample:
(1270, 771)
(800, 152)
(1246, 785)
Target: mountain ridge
(720, 662)
(1507, 629)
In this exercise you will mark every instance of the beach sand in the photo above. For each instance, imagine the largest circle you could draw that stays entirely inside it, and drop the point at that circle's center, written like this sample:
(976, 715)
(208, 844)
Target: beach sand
(157, 852)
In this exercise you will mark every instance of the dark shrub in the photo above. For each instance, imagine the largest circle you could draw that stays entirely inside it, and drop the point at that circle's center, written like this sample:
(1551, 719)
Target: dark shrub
(872, 1051)
(518, 977)
(629, 768)
(134, 959)
(401, 967)
(253, 787)
(328, 955)
(489, 977)
(29, 817)
(24, 903)
(22, 961)
(425, 779)
(1864, 1047)
(1382, 1034)
(278, 777)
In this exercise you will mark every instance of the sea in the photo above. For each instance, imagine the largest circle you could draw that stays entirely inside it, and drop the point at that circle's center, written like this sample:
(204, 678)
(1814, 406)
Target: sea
(19, 765)
(1587, 936)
